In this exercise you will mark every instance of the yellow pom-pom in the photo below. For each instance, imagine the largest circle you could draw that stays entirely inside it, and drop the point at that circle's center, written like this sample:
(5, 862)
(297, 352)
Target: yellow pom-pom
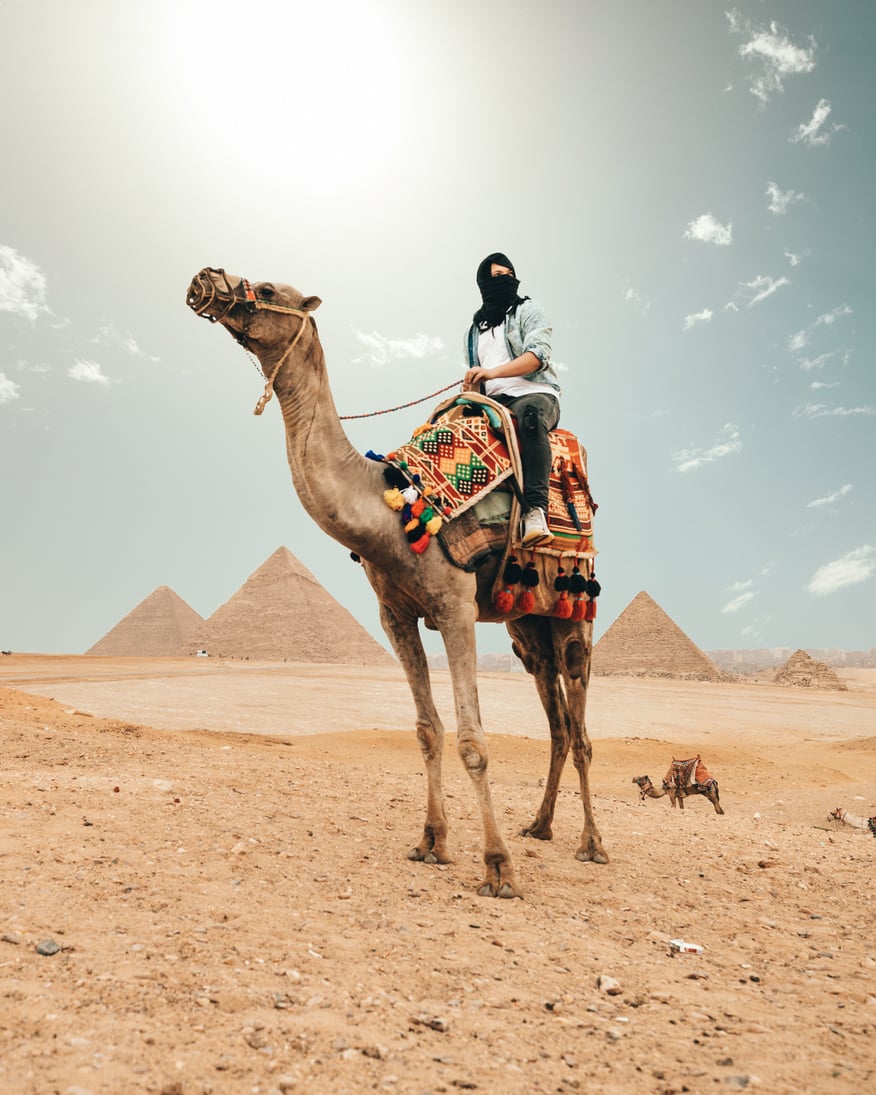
(411, 525)
(434, 525)
(393, 498)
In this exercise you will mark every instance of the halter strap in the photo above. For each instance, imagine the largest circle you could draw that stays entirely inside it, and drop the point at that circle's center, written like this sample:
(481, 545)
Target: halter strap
(265, 397)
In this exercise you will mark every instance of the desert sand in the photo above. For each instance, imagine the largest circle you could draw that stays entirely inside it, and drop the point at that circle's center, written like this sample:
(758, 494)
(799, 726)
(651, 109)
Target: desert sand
(204, 889)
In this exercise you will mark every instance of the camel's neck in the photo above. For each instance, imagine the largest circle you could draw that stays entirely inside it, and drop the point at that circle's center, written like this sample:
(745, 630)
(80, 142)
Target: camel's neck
(330, 477)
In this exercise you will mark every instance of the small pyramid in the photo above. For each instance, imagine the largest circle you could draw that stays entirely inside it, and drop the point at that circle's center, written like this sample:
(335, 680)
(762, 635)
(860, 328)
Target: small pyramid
(157, 627)
(644, 642)
(803, 671)
(282, 613)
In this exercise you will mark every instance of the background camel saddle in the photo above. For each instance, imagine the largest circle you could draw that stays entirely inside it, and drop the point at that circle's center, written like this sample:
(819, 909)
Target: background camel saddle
(469, 449)
(686, 773)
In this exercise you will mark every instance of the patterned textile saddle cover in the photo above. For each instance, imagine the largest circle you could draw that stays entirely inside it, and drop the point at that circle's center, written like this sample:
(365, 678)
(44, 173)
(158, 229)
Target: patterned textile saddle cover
(685, 773)
(469, 449)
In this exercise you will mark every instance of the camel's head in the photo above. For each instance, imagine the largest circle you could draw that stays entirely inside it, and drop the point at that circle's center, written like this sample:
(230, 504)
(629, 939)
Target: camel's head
(835, 815)
(641, 781)
(265, 312)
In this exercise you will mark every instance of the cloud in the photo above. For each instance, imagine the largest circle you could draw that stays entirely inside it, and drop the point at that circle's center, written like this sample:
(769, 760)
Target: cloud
(818, 384)
(829, 318)
(109, 336)
(737, 587)
(8, 389)
(738, 602)
(762, 287)
(727, 443)
(819, 410)
(797, 341)
(379, 350)
(632, 297)
(708, 230)
(808, 363)
(88, 372)
(829, 499)
(851, 569)
(781, 199)
(774, 54)
(698, 317)
(22, 285)
(808, 132)
(793, 260)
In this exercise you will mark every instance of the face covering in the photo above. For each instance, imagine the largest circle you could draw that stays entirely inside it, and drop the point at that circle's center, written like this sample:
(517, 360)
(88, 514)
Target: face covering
(498, 293)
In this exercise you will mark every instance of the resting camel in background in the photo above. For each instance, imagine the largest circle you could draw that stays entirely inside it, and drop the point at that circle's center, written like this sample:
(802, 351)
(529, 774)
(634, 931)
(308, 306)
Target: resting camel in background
(845, 817)
(342, 491)
(685, 777)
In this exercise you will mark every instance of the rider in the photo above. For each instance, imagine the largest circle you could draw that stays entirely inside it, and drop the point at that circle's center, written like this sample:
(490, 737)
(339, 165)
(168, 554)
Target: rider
(508, 352)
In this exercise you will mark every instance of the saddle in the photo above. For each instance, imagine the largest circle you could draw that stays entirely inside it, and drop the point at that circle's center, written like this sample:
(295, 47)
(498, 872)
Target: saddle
(466, 463)
(684, 774)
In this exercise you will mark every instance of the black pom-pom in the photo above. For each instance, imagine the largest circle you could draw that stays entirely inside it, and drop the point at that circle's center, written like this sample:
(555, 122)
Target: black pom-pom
(513, 572)
(561, 582)
(394, 477)
(356, 558)
(530, 576)
(593, 588)
(414, 534)
(577, 582)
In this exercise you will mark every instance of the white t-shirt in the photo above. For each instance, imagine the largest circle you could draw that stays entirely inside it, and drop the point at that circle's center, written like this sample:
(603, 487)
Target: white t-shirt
(493, 351)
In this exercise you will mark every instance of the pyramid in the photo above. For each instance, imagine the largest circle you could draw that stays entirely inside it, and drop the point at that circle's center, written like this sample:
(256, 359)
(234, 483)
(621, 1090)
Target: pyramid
(282, 613)
(644, 642)
(803, 671)
(157, 627)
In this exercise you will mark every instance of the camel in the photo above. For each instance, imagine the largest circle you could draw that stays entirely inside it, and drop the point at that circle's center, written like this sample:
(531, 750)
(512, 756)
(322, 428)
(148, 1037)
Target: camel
(342, 491)
(868, 824)
(685, 777)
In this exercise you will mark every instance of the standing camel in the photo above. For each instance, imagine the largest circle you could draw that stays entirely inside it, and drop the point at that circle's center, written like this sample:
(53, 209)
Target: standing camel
(342, 491)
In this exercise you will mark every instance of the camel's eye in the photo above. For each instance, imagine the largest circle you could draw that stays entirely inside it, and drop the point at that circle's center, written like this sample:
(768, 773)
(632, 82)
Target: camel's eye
(267, 292)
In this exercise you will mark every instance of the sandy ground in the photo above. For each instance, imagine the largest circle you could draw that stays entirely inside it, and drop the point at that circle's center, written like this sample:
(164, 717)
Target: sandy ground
(215, 856)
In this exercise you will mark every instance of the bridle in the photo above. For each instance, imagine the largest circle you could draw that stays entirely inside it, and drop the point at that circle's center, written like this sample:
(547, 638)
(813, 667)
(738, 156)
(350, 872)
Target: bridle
(213, 302)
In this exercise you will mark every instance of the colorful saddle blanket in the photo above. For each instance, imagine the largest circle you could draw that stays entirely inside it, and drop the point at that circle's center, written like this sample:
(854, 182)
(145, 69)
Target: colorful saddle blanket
(687, 773)
(469, 448)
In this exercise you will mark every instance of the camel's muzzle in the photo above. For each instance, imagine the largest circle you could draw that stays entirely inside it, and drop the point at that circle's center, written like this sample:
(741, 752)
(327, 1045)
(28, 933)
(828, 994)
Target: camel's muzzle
(213, 293)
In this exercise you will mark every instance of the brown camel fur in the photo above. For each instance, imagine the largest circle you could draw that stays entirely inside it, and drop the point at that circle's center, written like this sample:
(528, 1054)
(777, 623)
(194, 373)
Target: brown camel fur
(343, 493)
(679, 783)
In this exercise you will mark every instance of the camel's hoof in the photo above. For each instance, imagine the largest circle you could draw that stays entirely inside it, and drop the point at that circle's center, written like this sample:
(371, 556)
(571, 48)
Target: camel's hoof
(591, 855)
(430, 857)
(507, 890)
(416, 855)
(538, 832)
(487, 890)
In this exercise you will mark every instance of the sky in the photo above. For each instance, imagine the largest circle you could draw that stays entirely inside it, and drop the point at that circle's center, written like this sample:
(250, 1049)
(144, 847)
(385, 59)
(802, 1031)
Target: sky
(686, 188)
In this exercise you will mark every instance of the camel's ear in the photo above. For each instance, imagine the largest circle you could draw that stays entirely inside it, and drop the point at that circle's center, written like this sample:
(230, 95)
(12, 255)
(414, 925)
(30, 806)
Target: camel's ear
(310, 304)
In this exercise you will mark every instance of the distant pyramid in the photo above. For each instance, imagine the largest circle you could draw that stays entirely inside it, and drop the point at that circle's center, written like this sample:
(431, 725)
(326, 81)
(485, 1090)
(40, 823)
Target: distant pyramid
(157, 627)
(643, 641)
(282, 613)
(803, 671)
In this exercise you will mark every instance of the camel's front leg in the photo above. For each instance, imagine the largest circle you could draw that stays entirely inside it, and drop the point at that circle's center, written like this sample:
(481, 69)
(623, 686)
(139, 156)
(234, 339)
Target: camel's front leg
(404, 635)
(458, 632)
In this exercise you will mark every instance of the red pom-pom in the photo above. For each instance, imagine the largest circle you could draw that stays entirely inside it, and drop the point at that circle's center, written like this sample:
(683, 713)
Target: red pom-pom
(579, 609)
(590, 611)
(419, 546)
(526, 601)
(563, 607)
(504, 602)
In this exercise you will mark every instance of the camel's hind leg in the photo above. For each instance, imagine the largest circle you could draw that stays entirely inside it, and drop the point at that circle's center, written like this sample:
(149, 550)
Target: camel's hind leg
(551, 649)
(404, 634)
(713, 797)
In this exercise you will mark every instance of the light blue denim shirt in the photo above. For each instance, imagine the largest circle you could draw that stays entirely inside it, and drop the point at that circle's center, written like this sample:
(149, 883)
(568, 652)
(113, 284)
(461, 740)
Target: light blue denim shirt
(527, 329)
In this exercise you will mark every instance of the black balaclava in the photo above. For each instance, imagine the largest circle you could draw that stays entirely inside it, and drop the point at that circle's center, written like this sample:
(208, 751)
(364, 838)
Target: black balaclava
(499, 294)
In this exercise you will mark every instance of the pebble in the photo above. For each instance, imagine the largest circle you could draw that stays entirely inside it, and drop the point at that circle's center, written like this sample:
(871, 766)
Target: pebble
(47, 947)
(609, 985)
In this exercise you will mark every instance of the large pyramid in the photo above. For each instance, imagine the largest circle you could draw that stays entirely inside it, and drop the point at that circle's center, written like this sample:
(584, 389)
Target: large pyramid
(158, 626)
(803, 671)
(282, 613)
(644, 642)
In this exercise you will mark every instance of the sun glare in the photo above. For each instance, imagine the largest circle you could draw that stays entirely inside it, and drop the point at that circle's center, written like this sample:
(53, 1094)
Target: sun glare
(312, 91)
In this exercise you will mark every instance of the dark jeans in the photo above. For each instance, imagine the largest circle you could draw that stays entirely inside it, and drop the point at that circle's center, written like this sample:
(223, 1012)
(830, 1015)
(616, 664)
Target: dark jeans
(536, 415)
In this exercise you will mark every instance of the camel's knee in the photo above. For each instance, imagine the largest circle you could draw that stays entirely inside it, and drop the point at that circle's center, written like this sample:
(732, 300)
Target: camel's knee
(473, 756)
(430, 741)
